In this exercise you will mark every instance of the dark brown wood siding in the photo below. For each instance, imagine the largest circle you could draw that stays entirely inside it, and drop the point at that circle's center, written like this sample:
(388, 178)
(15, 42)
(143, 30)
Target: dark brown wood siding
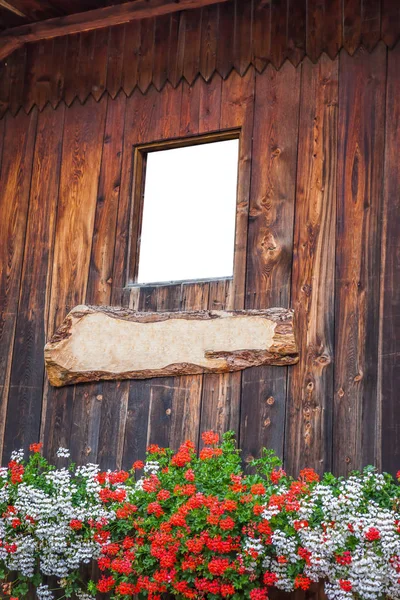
(319, 212)
(185, 45)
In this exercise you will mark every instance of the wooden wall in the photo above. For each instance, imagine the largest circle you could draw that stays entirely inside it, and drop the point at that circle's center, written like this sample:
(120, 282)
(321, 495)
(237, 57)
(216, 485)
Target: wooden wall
(319, 189)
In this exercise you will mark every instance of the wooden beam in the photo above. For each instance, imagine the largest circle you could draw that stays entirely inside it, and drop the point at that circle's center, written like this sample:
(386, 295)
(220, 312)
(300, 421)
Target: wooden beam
(8, 45)
(98, 342)
(13, 9)
(93, 19)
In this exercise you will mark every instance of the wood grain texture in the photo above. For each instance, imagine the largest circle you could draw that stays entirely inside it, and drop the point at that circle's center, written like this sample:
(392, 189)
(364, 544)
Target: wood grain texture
(27, 374)
(113, 421)
(308, 432)
(16, 169)
(185, 44)
(96, 410)
(389, 348)
(109, 343)
(360, 172)
(270, 244)
(93, 19)
(80, 167)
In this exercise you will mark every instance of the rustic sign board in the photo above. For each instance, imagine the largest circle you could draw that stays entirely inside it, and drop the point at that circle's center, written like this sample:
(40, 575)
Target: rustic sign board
(96, 343)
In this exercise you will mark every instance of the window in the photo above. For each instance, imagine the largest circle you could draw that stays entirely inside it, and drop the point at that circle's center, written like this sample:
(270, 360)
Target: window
(186, 213)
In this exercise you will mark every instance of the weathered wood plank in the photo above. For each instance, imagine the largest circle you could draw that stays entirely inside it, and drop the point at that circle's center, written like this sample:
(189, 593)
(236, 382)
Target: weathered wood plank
(116, 44)
(352, 25)
(360, 171)
(261, 35)
(80, 167)
(162, 344)
(270, 244)
(26, 386)
(94, 406)
(16, 168)
(209, 41)
(308, 433)
(389, 349)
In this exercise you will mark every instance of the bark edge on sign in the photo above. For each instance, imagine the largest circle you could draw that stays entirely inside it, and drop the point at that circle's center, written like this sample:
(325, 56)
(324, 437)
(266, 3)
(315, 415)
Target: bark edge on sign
(111, 343)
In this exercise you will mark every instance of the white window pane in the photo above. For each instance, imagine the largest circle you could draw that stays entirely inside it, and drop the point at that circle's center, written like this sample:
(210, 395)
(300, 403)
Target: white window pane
(189, 213)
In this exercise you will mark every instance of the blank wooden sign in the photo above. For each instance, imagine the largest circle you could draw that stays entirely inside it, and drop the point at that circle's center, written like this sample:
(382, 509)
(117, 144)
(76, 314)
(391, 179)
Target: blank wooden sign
(96, 343)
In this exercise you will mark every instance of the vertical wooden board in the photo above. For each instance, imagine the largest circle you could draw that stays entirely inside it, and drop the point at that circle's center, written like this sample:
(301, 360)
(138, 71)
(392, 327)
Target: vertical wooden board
(99, 63)
(86, 57)
(16, 168)
(4, 88)
(209, 41)
(85, 413)
(371, 23)
(116, 44)
(210, 104)
(135, 441)
(390, 20)
(296, 40)
(225, 47)
(389, 347)
(333, 27)
(131, 57)
(261, 35)
(17, 63)
(360, 170)
(161, 39)
(167, 124)
(38, 74)
(72, 71)
(94, 405)
(270, 241)
(26, 385)
(308, 434)
(243, 35)
(114, 404)
(145, 67)
(80, 167)
(105, 223)
(190, 107)
(315, 28)
(191, 58)
(174, 75)
(279, 32)
(56, 92)
(352, 25)
(237, 111)
(270, 244)
(2, 130)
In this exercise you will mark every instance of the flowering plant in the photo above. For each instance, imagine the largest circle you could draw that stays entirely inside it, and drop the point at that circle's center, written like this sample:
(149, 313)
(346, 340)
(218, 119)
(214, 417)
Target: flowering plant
(45, 516)
(195, 526)
(198, 527)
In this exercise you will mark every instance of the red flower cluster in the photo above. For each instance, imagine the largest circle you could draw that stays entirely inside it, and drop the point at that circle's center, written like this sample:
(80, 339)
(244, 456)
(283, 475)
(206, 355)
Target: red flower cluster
(16, 470)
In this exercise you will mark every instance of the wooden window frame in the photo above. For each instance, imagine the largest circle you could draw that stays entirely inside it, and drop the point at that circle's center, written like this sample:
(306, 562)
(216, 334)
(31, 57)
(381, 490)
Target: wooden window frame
(140, 153)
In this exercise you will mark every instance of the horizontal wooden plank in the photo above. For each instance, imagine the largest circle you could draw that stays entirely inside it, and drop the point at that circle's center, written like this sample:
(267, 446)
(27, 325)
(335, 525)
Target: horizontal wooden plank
(100, 343)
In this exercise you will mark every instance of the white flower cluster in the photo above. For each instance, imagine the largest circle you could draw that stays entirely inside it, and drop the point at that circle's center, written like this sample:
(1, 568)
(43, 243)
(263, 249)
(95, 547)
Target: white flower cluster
(42, 523)
(344, 536)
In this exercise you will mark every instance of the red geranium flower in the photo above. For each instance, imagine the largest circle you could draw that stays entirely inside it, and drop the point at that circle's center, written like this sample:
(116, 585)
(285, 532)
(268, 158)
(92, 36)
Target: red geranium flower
(372, 534)
(36, 447)
(301, 582)
(345, 584)
(210, 438)
(138, 464)
(106, 584)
